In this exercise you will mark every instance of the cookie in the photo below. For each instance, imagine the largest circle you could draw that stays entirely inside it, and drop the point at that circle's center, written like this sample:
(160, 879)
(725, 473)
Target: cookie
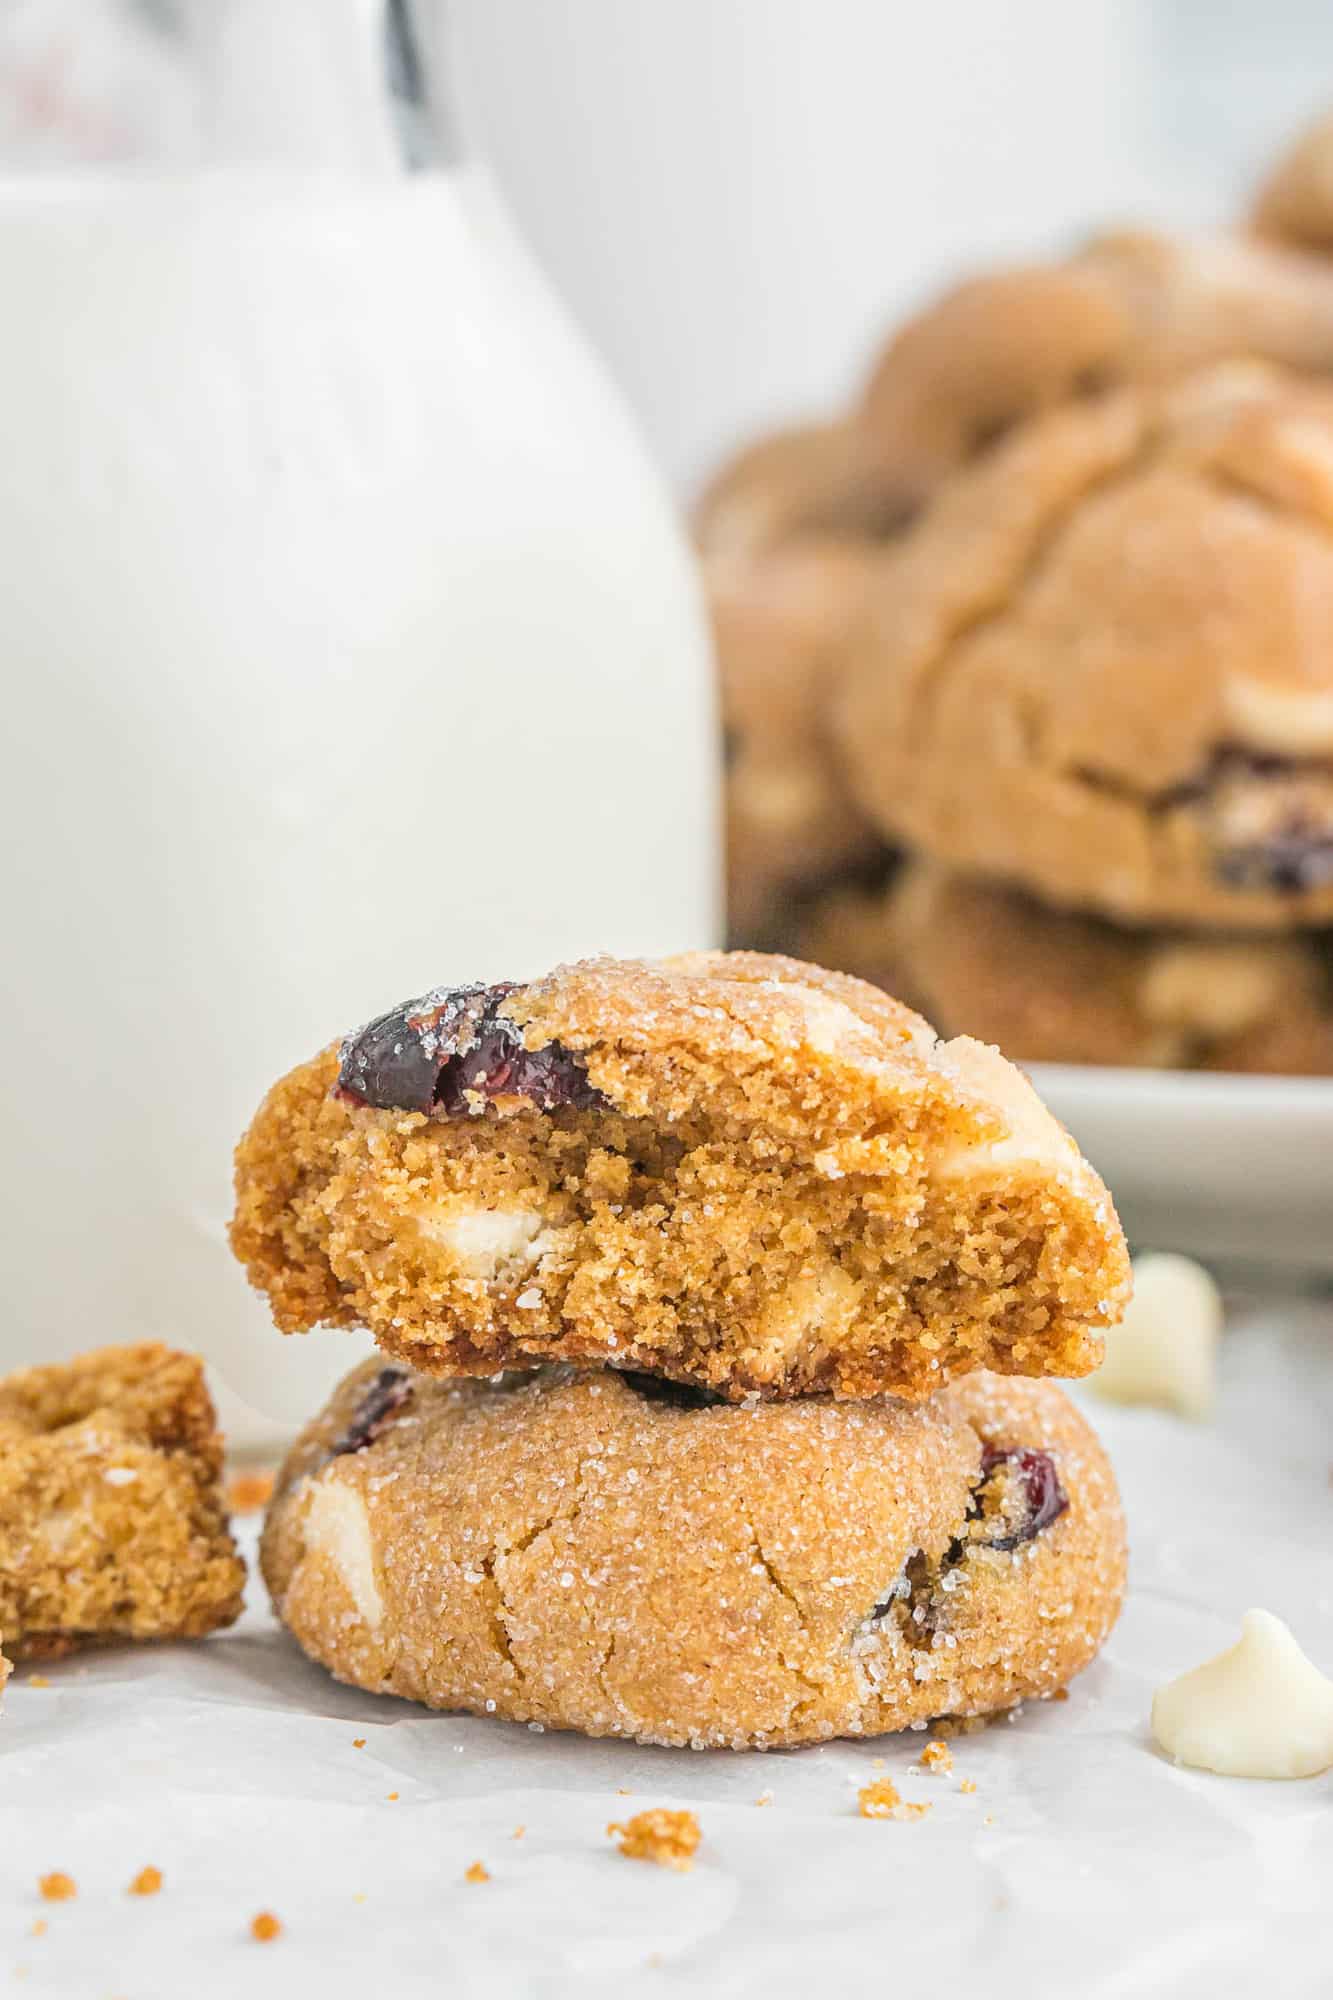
(730, 1169)
(781, 621)
(1098, 666)
(1051, 986)
(1294, 205)
(810, 479)
(111, 1517)
(1132, 307)
(599, 1552)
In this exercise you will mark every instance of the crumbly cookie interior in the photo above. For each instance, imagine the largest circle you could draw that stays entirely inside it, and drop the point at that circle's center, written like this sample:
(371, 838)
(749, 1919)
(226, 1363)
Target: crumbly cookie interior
(710, 1246)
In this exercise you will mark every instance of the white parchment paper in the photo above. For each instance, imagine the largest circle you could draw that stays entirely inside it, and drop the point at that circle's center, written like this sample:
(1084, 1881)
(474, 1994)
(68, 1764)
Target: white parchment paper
(1083, 1864)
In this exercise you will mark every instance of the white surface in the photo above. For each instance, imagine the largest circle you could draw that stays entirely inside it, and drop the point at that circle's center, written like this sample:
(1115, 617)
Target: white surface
(1237, 1167)
(1084, 1863)
(350, 647)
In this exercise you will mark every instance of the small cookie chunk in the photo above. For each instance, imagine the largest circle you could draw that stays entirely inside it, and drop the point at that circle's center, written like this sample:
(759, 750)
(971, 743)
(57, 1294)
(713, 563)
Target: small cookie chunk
(733, 1170)
(597, 1552)
(1049, 985)
(780, 625)
(111, 1516)
(1132, 306)
(1097, 667)
(1294, 204)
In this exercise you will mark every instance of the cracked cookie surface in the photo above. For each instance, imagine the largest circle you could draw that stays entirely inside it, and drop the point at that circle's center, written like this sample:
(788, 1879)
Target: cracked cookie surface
(559, 1548)
(1052, 986)
(1098, 666)
(736, 1171)
(112, 1523)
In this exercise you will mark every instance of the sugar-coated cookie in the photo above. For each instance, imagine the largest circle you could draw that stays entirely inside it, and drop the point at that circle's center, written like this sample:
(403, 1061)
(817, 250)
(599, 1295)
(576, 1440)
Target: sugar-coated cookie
(607, 1554)
(1098, 666)
(729, 1169)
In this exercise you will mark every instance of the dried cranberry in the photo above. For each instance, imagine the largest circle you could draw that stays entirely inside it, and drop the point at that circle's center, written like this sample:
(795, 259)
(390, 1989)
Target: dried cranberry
(452, 1052)
(1039, 1481)
(1291, 861)
(385, 1395)
(658, 1389)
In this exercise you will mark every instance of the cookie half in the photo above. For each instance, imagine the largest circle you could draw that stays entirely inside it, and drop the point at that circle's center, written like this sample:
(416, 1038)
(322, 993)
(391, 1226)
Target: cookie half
(1051, 986)
(729, 1169)
(589, 1552)
(1098, 666)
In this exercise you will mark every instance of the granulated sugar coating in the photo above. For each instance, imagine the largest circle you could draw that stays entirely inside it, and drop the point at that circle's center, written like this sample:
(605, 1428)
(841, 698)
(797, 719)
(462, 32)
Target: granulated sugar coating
(733, 1170)
(566, 1550)
(112, 1524)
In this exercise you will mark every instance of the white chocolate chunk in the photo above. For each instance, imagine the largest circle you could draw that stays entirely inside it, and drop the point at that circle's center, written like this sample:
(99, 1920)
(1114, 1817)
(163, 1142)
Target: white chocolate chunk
(1033, 1136)
(1211, 988)
(1259, 1710)
(487, 1241)
(1164, 1352)
(337, 1528)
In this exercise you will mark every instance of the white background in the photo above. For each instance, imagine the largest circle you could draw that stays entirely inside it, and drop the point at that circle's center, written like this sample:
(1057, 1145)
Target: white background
(736, 195)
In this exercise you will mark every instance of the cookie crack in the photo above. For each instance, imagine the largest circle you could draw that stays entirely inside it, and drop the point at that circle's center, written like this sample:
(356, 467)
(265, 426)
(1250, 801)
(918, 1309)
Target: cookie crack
(497, 1610)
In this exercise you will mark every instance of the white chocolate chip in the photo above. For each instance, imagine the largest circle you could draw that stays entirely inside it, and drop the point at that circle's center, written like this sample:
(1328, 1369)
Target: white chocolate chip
(337, 1528)
(1259, 1710)
(486, 1241)
(1294, 722)
(1164, 1352)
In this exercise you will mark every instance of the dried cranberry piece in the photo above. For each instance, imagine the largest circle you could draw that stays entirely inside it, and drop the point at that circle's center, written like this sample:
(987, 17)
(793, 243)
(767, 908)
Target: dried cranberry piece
(384, 1397)
(451, 1052)
(1043, 1494)
(1291, 862)
(658, 1389)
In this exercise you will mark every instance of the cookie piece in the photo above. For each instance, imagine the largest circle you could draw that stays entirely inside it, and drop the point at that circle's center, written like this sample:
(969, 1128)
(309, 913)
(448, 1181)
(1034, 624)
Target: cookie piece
(111, 1517)
(1098, 666)
(1294, 205)
(1051, 986)
(1134, 306)
(734, 1170)
(781, 621)
(589, 1553)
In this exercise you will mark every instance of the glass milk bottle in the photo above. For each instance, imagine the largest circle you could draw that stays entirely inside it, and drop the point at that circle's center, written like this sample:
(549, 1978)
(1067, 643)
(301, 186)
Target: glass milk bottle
(348, 644)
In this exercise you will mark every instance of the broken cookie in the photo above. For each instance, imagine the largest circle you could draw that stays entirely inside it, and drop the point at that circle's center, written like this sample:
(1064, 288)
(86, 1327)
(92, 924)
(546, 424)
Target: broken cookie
(735, 1171)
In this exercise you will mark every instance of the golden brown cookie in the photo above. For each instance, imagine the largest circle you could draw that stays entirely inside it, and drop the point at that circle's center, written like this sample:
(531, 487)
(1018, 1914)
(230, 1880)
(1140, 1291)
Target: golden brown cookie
(111, 1516)
(733, 1170)
(1051, 986)
(810, 479)
(1099, 665)
(1295, 201)
(1135, 306)
(781, 621)
(599, 1553)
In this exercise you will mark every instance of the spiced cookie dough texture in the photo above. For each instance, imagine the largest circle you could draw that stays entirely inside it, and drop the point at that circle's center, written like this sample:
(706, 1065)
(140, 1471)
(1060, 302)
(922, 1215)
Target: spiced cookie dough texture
(604, 1553)
(1098, 666)
(112, 1523)
(733, 1170)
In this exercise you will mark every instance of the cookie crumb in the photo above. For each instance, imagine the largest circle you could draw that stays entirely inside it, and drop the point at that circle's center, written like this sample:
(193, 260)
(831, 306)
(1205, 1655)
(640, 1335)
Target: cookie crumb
(265, 1927)
(882, 1801)
(660, 1835)
(249, 1492)
(518, 1832)
(39, 1927)
(968, 1785)
(624, 1792)
(38, 1681)
(360, 1896)
(147, 1882)
(478, 1872)
(1058, 1694)
(391, 1796)
(358, 1743)
(764, 1799)
(989, 1820)
(58, 1887)
(937, 1756)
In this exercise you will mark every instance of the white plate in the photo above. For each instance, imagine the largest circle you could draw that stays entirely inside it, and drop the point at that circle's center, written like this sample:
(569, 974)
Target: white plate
(1220, 1166)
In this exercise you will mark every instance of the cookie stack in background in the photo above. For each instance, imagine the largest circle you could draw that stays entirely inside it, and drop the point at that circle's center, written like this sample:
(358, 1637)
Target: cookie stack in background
(1027, 662)
(715, 1294)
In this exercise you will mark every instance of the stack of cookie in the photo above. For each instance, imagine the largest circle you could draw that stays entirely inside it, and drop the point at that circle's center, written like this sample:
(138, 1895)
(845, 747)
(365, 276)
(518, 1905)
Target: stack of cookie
(1050, 614)
(713, 1297)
